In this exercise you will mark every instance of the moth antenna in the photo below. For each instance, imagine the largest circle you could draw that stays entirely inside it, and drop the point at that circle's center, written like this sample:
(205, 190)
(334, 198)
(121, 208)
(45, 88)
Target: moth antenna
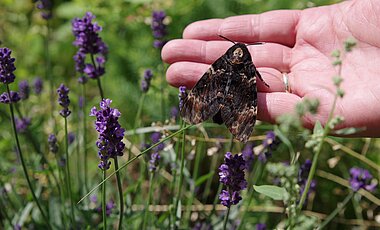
(256, 43)
(226, 38)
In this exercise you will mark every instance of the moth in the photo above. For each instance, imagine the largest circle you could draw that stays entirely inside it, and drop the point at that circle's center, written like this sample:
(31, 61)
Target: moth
(227, 93)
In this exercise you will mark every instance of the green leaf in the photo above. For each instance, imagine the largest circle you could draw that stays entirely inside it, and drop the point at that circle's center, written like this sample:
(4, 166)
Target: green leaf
(203, 178)
(274, 192)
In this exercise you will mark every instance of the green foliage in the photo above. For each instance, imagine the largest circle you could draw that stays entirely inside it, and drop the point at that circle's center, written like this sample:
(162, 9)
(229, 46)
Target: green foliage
(274, 192)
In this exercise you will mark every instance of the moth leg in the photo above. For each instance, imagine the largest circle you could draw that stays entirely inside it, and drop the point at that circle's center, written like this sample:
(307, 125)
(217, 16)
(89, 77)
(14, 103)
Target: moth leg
(259, 76)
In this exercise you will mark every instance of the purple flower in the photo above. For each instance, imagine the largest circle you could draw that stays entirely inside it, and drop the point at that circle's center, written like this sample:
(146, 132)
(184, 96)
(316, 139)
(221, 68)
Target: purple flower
(181, 95)
(361, 178)
(270, 143)
(154, 161)
(24, 89)
(231, 174)
(159, 44)
(38, 85)
(88, 41)
(81, 102)
(110, 137)
(82, 80)
(110, 205)
(94, 199)
(71, 137)
(79, 59)
(46, 7)
(158, 28)
(174, 112)
(22, 124)
(202, 226)
(145, 83)
(261, 226)
(4, 97)
(303, 174)
(248, 155)
(155, 138)
(53, 146)
(63, 100)
(7, 66)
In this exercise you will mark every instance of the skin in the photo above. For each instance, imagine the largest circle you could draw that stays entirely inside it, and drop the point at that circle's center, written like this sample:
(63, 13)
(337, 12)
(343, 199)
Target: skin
(298, 43)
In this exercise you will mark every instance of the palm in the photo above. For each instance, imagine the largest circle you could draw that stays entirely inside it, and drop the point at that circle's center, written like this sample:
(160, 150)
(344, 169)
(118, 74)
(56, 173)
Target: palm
(298, 43)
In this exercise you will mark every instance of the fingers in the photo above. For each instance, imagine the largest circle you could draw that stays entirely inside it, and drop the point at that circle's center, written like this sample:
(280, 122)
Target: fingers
(273, 26)
(267, 55)
(272, 105)
(188, 73)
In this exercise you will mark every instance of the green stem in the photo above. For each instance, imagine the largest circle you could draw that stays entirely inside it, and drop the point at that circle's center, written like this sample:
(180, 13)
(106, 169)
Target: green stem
(180, 174)
(48, 74)
(139, 110)
(339, 208)
(23, 163)
(68, 173)
(192, 185)
(316, 155)
(149, 200)
(120, 189)
(84, 121)
(104, 201)
(226, 219)
(173, 183)
(63, 193)
(162, 86)
(100, 88)
(98, 78)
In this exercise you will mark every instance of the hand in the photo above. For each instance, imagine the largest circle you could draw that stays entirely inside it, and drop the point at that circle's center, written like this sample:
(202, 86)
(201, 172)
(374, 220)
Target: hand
(298, 43)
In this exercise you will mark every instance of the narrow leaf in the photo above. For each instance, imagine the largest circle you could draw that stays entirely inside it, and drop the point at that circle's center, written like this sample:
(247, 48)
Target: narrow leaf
(274, 192)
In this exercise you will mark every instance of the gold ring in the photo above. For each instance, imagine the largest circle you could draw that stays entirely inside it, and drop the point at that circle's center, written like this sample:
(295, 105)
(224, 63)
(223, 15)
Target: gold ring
(285, 79)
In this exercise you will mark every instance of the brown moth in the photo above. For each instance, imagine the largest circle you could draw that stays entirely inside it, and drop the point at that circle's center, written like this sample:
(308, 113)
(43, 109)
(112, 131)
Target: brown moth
(227, 93)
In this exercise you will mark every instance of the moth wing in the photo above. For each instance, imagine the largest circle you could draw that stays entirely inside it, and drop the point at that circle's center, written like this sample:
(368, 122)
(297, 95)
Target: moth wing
(206, 97)
(239, 109)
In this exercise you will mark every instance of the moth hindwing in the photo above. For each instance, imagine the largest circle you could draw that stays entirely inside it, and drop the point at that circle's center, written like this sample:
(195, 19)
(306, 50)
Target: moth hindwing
(227, 93)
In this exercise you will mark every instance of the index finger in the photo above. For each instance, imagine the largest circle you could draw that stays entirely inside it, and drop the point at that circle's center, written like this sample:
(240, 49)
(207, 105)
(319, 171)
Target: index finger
(273, 26)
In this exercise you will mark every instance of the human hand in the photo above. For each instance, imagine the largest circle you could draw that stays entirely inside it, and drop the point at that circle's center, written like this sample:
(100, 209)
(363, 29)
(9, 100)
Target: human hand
(298, 43)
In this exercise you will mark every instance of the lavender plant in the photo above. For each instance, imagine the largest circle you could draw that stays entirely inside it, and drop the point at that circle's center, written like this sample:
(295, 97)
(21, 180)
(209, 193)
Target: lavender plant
(7, 76)
(109, 143)
(89, 42)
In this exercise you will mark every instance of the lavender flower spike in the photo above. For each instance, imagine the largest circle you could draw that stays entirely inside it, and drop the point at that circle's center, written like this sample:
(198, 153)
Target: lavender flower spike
(7, 66)
(154, 161)
(158, 28)
(24, 89)
(361, 178)
(88, 41)
(231, 174)
(6, 99)
(181, 95)
(110, 137)
(53, 146)
(63, 100)
(145, 83)
(38, 85)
